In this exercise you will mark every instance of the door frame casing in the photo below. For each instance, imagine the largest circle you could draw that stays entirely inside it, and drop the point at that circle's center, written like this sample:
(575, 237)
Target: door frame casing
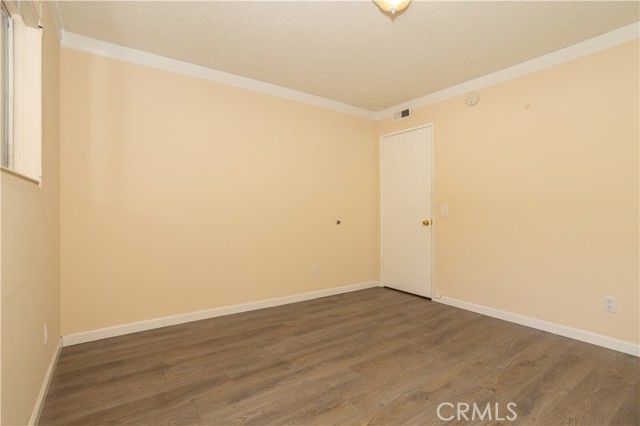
(430, 125)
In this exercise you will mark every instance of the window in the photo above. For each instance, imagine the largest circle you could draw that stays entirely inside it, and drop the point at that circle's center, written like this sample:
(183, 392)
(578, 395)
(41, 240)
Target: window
(6, 70)
(21, 89)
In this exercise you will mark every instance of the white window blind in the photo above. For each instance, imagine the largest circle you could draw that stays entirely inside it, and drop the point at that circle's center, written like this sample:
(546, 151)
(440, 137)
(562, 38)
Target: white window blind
(25, 105)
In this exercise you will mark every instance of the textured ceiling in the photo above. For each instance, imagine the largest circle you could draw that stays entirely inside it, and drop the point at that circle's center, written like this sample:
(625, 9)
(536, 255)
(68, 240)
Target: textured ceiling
(348, 51)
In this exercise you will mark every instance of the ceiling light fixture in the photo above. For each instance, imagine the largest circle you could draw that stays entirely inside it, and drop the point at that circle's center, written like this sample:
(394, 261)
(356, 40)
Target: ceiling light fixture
(392, 6)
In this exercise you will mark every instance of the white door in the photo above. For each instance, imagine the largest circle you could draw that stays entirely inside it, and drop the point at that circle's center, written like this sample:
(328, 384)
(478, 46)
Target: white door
(406, 185)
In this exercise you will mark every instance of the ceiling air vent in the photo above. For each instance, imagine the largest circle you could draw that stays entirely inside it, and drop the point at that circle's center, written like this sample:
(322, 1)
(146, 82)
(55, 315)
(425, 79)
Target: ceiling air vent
(401, 115)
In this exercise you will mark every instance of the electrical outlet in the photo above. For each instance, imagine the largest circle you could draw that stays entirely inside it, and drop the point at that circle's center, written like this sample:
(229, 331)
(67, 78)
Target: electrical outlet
(315, 270)
(610, 304)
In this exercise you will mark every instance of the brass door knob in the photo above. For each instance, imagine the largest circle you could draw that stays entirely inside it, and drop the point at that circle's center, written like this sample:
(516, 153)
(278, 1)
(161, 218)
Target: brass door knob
(426, 222)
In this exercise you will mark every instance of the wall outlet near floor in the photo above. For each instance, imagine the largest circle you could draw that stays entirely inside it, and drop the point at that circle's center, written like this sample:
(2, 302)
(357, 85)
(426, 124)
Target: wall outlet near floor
(315, 270)
(46, 334)
(610, 304)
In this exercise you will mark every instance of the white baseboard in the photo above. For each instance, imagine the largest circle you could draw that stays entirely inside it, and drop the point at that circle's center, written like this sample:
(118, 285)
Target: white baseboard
(562, 330)
(37, 409)
(135, 327)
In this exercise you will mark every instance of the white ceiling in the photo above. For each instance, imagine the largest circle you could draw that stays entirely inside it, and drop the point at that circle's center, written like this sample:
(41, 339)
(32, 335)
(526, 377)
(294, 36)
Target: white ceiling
(348, 51)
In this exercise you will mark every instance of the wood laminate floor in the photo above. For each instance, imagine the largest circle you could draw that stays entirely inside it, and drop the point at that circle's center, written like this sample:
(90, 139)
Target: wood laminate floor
(375, 356)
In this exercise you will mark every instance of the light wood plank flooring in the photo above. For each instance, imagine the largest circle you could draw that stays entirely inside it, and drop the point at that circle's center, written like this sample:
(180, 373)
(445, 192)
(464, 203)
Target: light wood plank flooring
(375, 356)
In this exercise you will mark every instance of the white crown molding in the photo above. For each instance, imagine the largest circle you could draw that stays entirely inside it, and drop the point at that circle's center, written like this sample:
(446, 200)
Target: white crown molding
(139, 57)
(601, 42)
(101, 48)
(538, 324)
(135, 327)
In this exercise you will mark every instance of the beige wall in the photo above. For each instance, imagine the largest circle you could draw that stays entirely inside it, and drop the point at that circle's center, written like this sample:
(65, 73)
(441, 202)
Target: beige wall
(541, 179)
(180, 194)
(30, 260)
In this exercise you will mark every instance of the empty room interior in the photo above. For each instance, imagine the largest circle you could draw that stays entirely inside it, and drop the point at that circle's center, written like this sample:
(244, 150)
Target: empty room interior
(320, 212)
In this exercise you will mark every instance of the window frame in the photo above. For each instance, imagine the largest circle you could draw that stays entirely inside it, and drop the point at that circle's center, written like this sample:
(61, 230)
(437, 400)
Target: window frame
(21, 83)
(6, 73)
